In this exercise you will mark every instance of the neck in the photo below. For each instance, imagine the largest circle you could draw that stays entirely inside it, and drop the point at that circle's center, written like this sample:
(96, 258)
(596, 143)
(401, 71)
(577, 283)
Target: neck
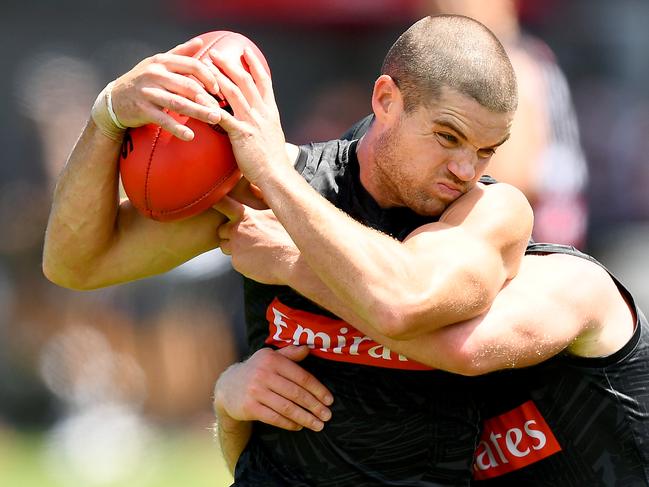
(368, 172)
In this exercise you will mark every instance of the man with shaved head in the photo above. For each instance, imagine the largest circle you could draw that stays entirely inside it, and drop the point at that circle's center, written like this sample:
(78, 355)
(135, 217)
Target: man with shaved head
(396, 229)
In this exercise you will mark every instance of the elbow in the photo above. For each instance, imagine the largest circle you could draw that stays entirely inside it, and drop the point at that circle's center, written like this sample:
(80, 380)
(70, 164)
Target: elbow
(468, 363)
(470, 369)
(398, 320)
(65, 278)
(391, 324)
(479, 356)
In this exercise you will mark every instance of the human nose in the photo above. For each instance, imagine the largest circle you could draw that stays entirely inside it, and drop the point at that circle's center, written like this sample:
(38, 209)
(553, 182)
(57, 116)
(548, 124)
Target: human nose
(463, 167)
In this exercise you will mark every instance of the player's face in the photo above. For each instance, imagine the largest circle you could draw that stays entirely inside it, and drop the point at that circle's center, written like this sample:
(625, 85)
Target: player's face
(435, 154)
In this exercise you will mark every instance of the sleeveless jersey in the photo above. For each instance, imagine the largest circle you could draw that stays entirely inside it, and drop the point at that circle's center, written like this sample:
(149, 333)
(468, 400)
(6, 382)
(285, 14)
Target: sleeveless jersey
(569, 421)
(394, 422)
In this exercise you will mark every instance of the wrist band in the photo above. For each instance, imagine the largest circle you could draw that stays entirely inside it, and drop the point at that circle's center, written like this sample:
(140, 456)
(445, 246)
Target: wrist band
(104, 116)
(109, 105)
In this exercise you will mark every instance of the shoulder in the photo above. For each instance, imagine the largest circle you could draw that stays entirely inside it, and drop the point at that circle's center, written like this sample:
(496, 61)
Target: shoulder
(307, 158)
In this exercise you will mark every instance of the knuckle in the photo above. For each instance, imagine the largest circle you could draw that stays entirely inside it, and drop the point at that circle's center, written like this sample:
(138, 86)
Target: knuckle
(308, 381)
(160, 58)
(303, 397)
(192, 86)
(274, 418)
(174, 104)
(286, 408)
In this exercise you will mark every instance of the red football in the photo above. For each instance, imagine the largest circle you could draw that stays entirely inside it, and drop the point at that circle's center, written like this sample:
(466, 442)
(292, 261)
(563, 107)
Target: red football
(169, 179)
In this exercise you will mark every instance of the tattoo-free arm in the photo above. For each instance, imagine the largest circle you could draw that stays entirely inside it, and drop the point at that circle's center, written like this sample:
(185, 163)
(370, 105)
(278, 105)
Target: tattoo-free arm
(555, 303)
(443, 273)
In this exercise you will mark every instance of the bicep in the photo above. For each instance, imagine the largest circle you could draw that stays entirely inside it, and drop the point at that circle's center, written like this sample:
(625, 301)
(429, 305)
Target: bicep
(469, 254)
(535, 316)
(143, 247)
(497, 216)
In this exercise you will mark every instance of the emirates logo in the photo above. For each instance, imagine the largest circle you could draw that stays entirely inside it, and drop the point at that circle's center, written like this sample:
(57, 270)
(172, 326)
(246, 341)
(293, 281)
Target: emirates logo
(512, 441)
(330, 339)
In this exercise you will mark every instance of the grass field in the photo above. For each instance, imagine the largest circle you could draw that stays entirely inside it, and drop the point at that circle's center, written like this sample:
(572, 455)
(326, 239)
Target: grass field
(174, 459)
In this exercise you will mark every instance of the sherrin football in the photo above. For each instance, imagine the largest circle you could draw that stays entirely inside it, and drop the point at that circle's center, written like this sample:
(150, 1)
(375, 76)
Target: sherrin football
(166, 178)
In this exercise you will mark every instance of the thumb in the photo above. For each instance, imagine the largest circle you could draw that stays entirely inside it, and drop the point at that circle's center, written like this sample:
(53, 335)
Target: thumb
(188, 48)
(294, 353)
(230, 207)
(256, 191)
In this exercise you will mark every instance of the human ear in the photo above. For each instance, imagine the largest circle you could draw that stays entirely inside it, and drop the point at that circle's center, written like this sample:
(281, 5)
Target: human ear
(387, 101)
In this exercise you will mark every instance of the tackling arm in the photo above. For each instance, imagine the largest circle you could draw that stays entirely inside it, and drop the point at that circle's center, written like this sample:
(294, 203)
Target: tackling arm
(442, 273)
(555, 303)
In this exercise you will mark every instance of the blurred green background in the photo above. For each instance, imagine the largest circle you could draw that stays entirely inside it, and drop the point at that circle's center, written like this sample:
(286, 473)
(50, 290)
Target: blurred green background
(172, 459)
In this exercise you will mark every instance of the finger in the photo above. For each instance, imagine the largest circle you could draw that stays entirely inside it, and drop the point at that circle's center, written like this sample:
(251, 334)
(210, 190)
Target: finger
(231, 91)
(167, 122)
(256, 191)
(290, 411)
(186, 85)
(188, 48)
(225, 247)
(189, 66)
(181, 105)
(260, 76)
(224, 231)
(297, 395)
(302, 378)
(234, 70)
(229, 122)
(230, 208)
(244, 194)
(272, 417)
(294, 352)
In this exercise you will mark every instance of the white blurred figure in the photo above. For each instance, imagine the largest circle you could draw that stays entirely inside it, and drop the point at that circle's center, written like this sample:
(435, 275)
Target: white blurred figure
(102, 436)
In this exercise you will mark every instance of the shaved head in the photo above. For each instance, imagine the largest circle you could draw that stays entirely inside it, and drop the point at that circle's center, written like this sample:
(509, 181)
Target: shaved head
(456, 52)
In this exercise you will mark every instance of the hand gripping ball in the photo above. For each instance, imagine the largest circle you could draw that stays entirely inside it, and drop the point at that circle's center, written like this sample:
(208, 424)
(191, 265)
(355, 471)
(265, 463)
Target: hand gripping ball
(170, 179)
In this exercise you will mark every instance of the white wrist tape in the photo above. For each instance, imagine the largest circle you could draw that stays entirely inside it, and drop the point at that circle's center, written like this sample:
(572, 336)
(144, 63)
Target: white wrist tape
(109, 105)
(104, 116)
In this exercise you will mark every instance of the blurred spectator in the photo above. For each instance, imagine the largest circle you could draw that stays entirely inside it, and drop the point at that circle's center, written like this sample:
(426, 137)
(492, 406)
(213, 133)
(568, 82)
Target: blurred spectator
(543, 157)
(332, 111)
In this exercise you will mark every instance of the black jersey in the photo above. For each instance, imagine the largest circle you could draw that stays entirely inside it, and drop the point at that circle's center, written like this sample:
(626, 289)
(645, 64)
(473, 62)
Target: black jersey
(569, 421)
(394, 422)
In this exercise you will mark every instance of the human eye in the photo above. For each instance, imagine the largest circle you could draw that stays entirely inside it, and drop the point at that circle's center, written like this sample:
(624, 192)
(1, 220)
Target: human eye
(486, 153)
(446, 138)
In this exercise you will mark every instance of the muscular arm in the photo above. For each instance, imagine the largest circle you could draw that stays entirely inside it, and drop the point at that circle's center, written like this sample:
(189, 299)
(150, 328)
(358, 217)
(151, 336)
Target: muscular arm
(555, 303)
(442, 273)
(92, 240)
(233, 437)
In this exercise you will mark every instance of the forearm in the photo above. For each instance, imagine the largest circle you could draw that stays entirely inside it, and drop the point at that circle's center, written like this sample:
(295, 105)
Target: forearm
(531, 319)
(233, 437)
(435, 349)
(342, 252)
(442, 275)
(84, 208)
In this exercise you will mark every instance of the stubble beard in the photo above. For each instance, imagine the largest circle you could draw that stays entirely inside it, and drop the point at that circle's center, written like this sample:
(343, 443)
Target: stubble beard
(397, 186)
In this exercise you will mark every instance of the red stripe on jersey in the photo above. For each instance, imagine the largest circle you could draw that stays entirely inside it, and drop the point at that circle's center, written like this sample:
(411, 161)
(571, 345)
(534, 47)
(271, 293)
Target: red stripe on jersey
(330, 339)
(513, 441)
